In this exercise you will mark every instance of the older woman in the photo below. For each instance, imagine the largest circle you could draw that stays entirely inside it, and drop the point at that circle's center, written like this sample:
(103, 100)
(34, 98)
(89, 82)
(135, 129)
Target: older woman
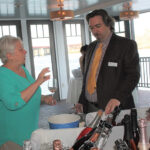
(20, 94)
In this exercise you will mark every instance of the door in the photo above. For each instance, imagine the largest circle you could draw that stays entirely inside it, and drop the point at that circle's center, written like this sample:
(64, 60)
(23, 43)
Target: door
(41, 41)
(74, 35)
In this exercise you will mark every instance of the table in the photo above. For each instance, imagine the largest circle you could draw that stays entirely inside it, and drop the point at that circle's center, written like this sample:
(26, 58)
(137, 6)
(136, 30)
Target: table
(68, 136)
(74, 90)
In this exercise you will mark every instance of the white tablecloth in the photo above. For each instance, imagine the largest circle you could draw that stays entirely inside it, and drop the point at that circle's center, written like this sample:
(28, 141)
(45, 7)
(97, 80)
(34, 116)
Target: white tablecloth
(41, 136)
(74, 90)
(68, 136)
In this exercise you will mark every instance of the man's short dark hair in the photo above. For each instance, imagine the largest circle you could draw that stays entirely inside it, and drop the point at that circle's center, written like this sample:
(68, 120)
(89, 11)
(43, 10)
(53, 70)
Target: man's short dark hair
(108, 20)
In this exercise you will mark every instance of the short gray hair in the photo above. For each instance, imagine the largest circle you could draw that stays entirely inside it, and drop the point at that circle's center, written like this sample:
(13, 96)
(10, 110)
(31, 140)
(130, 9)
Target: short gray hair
(7, 45)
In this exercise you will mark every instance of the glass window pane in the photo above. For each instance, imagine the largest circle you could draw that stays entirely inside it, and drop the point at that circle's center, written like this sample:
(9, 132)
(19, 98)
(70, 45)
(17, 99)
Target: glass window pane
(8, 30)
(0, 31)
(78, 27)
(11, 10)
(35, 52)
(46, 30)
(74, 44)
(31, 9)
(5, 30)
(0, 62)
(13, 31)
(68, 30)
(93, 37)
(40, 30)
(43, 11)
(73, 30)
(121, 34)
(122, 28)
(116, 27)
(3, 9)
(34, 31)
(142, 37)
(142, 34)
(37, 9)
(41, 59)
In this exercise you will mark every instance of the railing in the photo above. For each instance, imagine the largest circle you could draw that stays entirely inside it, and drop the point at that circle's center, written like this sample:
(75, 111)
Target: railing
(145, 72)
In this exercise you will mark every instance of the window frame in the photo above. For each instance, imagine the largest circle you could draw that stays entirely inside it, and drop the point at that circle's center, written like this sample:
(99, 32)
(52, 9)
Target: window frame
(32, 22)
(17, 23)
(52, 46)
(83, 39)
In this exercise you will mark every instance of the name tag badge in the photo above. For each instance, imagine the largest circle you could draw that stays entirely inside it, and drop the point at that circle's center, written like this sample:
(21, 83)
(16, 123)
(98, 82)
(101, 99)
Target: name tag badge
(112, 64)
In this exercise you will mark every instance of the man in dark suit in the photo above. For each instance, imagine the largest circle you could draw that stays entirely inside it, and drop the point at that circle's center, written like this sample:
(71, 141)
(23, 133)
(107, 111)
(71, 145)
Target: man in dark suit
(117, 72)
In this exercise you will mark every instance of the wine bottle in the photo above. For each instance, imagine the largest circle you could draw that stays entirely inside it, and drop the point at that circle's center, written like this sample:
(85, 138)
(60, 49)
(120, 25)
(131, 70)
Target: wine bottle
(102, 139)
(111, 118)
(115, 113)
(81, 141)
(143, 142)
(134, 126)
(128, 137)
(92, 125)
(121, 145)
(90, 143)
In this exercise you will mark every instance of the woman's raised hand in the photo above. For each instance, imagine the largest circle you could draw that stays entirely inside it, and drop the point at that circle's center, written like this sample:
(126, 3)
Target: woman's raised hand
(42, 77)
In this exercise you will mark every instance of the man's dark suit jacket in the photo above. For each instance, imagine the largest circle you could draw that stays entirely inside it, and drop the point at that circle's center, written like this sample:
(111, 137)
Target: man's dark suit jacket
(118, 75)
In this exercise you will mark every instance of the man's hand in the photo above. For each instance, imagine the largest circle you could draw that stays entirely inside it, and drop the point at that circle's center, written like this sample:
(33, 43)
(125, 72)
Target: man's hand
(111, 105)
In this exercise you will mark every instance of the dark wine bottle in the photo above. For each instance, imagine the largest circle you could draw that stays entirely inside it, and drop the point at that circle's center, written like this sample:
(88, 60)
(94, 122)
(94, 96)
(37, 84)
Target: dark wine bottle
(79, 142)
(92, 125)
(128, 137)
(101, 130)
(102, 139)
(90, 143)
(111, 118)
(115, 113)
(134, 126)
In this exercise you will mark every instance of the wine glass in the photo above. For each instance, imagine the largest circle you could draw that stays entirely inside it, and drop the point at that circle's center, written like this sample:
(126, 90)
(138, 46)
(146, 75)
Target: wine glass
(52, 86)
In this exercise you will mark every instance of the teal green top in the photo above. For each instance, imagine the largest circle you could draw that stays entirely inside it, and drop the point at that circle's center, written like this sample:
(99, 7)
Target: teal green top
(18, 119)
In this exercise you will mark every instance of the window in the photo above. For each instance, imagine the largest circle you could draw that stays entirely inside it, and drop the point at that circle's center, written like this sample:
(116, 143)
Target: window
(37, 7)
(92, 37)
(142, 34)
(120, 28)
(42, 49)
(142, 37)
(74, 38)
(7, 8)
(10, 28)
